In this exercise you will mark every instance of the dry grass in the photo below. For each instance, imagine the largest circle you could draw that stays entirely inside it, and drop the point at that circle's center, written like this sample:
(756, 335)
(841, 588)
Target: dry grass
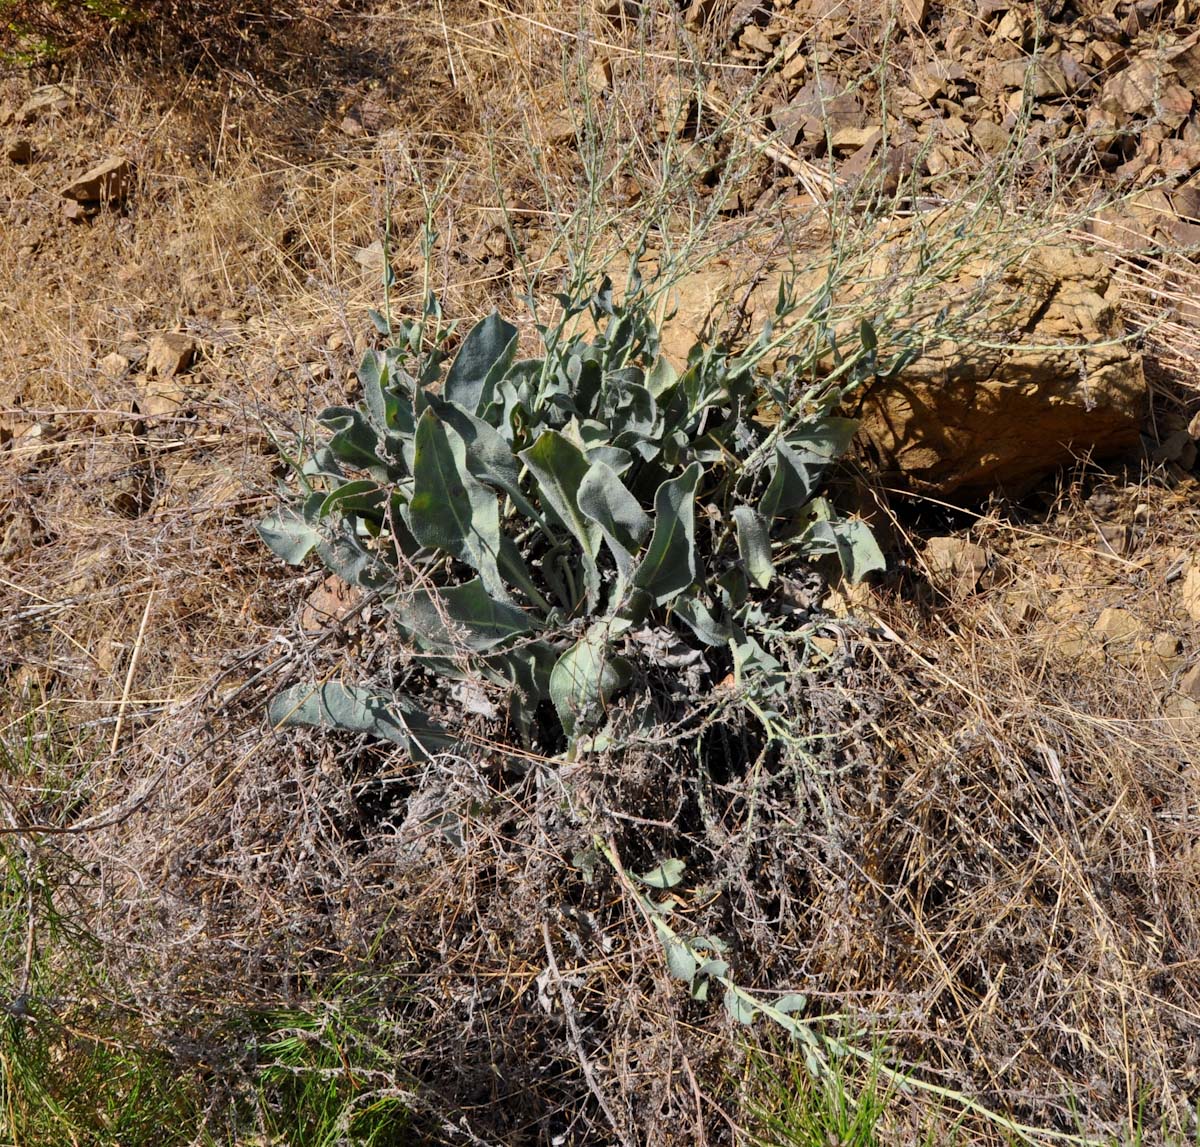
(978, 847)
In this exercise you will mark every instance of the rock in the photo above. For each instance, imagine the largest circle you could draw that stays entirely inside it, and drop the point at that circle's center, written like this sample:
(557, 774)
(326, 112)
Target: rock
(107, 182)
(19, 150)
(1071, 641)
(44, 100)
(170, 354)
(161, 397)
(328, 604)
(1178, 447)
(371, 258)
(1190, 591)
(1165, 654)
(113, 366)
(967, 420)
(1123, 635)
(1189, 684)
(74, 212)
(956, 564)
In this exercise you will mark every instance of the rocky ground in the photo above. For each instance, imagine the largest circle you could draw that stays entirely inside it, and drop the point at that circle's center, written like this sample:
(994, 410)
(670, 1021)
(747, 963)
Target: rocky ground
(995, 863)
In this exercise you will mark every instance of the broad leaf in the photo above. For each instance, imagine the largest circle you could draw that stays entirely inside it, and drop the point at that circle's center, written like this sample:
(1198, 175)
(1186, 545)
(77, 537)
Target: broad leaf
(584, 680)
(603, 498)
(485, 355)
(450, 509)
(354, 441)
(288, 535)
(560, 467)
(740, 1007)
(669, 566)
(489, 456)
(851, 539)
(802, 460)
(666, 875)
(356, 710)
(754, 546)
(361, 497)
(462, 617)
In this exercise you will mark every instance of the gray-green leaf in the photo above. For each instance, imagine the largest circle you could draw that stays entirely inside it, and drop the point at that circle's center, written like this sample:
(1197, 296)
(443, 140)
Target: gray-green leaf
(461, 617)
(288, 535)
(666, 875)
(584, 680)
(352, 709)
(851, 539)
(754, 545)
(559, 467)
(450, 509)
(669, 566)
(603, 498)
(485, 355)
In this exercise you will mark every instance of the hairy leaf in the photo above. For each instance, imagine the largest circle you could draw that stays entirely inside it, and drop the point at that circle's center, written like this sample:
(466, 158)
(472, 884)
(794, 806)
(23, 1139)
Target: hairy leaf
(603, 498)
(669, 566)
(288, 535)
(461, 617)
(851, 539)
(485, 355)
(559, 467)
(450, 509)
(584, 680)
(754, 546)
(353, 709)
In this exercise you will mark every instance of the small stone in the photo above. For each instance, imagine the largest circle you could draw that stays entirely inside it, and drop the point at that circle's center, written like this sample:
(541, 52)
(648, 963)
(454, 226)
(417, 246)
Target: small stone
(956, 564)
(1190, 591)
(74, 212)
(328, 604)
(19, 151)
(352, 126)
(1020, 608)
(170, 354)
(1116, 537)
(1071, 641)
(754, 38)
(1178, 447)
(113, 366)
(161, 397)
(989, 137)
(371, 258)
(50, 98)
(107, 182)
(1189, 684)
(827, 646)
(1120, 632)
(1164, 654)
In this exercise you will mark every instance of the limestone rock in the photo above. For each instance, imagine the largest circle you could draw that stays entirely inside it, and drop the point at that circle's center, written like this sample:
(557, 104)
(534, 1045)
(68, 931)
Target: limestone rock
(44, 100)
(956, 564)
(1189, 684)
(161, 397)
(170, 354)
(113, 366)
(107, 182)
(1191, 591)
(1126, 638)
(967, 420)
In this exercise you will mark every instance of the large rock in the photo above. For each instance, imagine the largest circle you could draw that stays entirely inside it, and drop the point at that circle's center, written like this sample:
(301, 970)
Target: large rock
(107, 182)
(968, 418)
(1039, 377)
